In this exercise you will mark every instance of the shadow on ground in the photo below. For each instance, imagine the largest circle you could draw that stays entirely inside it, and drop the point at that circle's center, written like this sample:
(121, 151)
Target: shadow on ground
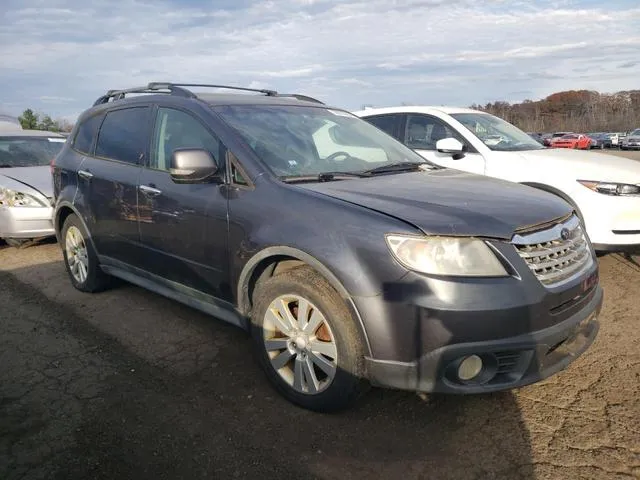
(127, 384)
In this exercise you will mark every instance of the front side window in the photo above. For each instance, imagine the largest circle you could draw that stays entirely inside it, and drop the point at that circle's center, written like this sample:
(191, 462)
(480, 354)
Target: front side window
(123, 135)
(496, 133)
(23, 151)
(423, 132)
(175, 129)
(302, 140)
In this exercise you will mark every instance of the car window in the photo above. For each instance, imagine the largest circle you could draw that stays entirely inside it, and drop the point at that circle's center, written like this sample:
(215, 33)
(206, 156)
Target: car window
(423, 132)
(22, 151)
(123, 135)
(86, 133)
(496, 133)
(301, 140)
(176, 129)
(387, 123)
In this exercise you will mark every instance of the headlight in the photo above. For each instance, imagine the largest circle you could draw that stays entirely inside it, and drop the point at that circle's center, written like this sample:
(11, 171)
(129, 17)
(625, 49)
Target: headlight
(466, 257)
(11, 198)
(608, 188)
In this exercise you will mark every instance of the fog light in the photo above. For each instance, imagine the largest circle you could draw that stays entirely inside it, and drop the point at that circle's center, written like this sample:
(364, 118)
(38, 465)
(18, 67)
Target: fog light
(470, 368)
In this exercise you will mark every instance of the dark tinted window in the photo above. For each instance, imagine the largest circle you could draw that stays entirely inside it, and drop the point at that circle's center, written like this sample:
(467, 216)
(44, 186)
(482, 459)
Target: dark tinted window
(123, 135)
(86, 133)
(175, 129)
(423, 132)
(386, 123)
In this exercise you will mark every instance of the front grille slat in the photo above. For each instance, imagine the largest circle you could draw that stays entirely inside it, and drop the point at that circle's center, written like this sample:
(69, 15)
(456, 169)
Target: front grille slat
(551, 257)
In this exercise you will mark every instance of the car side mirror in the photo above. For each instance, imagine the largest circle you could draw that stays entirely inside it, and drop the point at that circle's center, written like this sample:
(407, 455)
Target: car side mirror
(192, 165)
(450, 146)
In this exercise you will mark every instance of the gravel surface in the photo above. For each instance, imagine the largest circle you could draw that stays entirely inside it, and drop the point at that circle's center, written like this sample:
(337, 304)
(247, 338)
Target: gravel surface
(129, 385)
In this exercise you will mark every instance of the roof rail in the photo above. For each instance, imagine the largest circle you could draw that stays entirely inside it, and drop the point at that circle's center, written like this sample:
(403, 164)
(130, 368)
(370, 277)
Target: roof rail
(271, 93)
(301, 97)
(178, 89)
(150, 88)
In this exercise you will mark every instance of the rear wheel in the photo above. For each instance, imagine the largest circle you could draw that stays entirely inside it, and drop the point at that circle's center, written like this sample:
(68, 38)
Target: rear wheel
(307, 341)
(80, 259)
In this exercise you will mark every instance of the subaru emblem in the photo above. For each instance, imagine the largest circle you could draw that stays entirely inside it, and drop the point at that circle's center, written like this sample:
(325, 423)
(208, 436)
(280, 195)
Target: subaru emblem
(565, 234)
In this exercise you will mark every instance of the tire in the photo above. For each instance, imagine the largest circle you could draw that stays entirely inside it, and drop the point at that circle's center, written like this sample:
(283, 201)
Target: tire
(79, 255)
(344, 381)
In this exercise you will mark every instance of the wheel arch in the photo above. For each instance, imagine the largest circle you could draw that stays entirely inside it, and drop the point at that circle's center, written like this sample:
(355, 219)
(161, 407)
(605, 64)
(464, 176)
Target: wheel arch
(273, 260)
(63, 210)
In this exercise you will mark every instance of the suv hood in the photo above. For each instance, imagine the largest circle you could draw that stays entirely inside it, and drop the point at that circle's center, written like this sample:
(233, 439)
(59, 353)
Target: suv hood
(582, 165)
(450, 202)
(37, 178)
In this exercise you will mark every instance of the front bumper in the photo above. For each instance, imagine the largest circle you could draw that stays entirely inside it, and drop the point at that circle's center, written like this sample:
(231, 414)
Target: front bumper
(508, 363)
(26, 222)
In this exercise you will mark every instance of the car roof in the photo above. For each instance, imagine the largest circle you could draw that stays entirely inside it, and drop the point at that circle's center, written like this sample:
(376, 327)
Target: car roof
(29, 133)
(417, 109)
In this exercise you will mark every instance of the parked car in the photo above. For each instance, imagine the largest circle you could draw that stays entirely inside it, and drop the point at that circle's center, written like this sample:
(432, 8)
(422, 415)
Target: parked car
(604, 189)
(599, 140)
(25, 184)
(632, 141)
(350, 259)
(537, 137)
(572, 140)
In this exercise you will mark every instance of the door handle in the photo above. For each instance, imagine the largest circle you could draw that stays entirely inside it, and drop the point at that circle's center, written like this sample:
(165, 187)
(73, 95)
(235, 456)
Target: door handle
(149, 191)
(85, 174)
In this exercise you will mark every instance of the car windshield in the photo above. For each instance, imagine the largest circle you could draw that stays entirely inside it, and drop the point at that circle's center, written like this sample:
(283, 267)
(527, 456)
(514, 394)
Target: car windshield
(496, 133)
(23, 151)
(635, 132)
(297, 141)
(569, 137)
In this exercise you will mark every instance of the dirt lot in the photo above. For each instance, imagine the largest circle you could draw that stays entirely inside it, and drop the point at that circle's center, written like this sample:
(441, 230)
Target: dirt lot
(129, 385)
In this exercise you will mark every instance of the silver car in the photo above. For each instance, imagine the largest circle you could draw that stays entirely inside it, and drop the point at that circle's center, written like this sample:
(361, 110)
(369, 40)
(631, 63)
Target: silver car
(26, 184)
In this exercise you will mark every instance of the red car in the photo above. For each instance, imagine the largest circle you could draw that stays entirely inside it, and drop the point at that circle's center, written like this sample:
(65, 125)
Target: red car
(572, 140)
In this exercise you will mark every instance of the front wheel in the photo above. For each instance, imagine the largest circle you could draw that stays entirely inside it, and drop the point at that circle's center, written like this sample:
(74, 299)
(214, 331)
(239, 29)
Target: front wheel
(80, 259)
(307, 341)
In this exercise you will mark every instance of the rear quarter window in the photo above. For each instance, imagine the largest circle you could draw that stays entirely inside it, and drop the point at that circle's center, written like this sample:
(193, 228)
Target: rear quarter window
(87, 131)
(123, 135)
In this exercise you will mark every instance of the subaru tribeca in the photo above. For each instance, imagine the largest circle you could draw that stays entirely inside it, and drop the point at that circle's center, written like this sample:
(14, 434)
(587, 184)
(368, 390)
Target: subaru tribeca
(350, 259)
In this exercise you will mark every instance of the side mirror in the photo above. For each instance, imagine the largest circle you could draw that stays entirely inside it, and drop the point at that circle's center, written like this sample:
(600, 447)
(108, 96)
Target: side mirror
(191, 165)
(449, 145)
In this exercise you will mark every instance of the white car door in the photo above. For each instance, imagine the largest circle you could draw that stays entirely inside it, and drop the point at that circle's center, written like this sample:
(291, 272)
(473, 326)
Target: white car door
(422, 132)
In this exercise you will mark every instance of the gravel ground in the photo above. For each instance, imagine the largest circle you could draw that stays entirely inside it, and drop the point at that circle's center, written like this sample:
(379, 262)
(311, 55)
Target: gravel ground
(130, 385)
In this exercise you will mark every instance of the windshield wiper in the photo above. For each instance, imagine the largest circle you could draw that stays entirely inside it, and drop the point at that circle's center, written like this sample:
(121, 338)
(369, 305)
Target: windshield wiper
(398, 167)
(324, 177)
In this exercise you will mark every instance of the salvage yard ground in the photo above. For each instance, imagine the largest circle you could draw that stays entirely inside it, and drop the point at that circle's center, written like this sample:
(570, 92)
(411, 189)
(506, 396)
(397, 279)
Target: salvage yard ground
(129, 385)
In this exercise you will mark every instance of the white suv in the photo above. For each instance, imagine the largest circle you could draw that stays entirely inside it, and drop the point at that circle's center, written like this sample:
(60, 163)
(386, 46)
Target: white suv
(604, 189)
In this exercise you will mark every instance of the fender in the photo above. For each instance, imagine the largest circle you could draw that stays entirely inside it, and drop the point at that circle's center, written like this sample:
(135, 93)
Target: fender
(67, 204)
(270, 252)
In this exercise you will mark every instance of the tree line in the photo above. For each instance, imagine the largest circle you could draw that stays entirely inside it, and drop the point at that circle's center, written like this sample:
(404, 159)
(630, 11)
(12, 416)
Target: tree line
(573, 111)
(31, 120)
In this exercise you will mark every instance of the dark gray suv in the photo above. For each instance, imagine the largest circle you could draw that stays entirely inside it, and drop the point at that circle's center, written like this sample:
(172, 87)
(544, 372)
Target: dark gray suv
(349, 259)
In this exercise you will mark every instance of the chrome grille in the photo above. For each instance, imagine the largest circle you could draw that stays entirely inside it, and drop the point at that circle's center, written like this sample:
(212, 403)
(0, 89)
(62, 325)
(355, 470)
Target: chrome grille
(555, 254)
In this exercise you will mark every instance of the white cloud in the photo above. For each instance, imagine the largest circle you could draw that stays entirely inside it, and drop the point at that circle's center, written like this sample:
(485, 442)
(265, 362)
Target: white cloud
(59, 55)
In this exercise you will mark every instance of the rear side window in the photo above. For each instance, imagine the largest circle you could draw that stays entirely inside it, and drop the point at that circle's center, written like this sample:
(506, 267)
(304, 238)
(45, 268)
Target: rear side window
(86, 133)
(387, 123)
(123, 135)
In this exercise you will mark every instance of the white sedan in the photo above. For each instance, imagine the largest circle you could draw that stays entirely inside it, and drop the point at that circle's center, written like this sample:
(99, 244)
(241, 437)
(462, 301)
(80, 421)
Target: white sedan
(604, 189)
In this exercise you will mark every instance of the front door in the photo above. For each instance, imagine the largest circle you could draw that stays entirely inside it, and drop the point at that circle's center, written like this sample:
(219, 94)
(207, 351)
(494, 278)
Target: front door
(109, 180)
(183, 227)
(423, 132)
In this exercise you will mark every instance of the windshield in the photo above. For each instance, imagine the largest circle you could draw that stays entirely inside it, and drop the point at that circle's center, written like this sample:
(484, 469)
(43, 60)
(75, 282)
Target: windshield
(497, 134)
(635, 132)
(28, 151)
(301, 141)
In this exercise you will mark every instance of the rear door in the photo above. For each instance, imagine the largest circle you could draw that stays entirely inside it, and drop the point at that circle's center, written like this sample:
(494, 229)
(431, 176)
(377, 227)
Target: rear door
(422, 132)
(183, 227)
(108, 180)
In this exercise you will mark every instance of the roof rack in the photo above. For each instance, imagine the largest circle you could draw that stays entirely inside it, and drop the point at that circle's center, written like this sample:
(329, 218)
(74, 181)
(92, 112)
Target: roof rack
(178, 89)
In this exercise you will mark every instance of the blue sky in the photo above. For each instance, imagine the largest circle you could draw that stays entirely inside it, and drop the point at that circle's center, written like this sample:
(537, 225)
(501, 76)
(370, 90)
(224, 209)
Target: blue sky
(59, 55)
